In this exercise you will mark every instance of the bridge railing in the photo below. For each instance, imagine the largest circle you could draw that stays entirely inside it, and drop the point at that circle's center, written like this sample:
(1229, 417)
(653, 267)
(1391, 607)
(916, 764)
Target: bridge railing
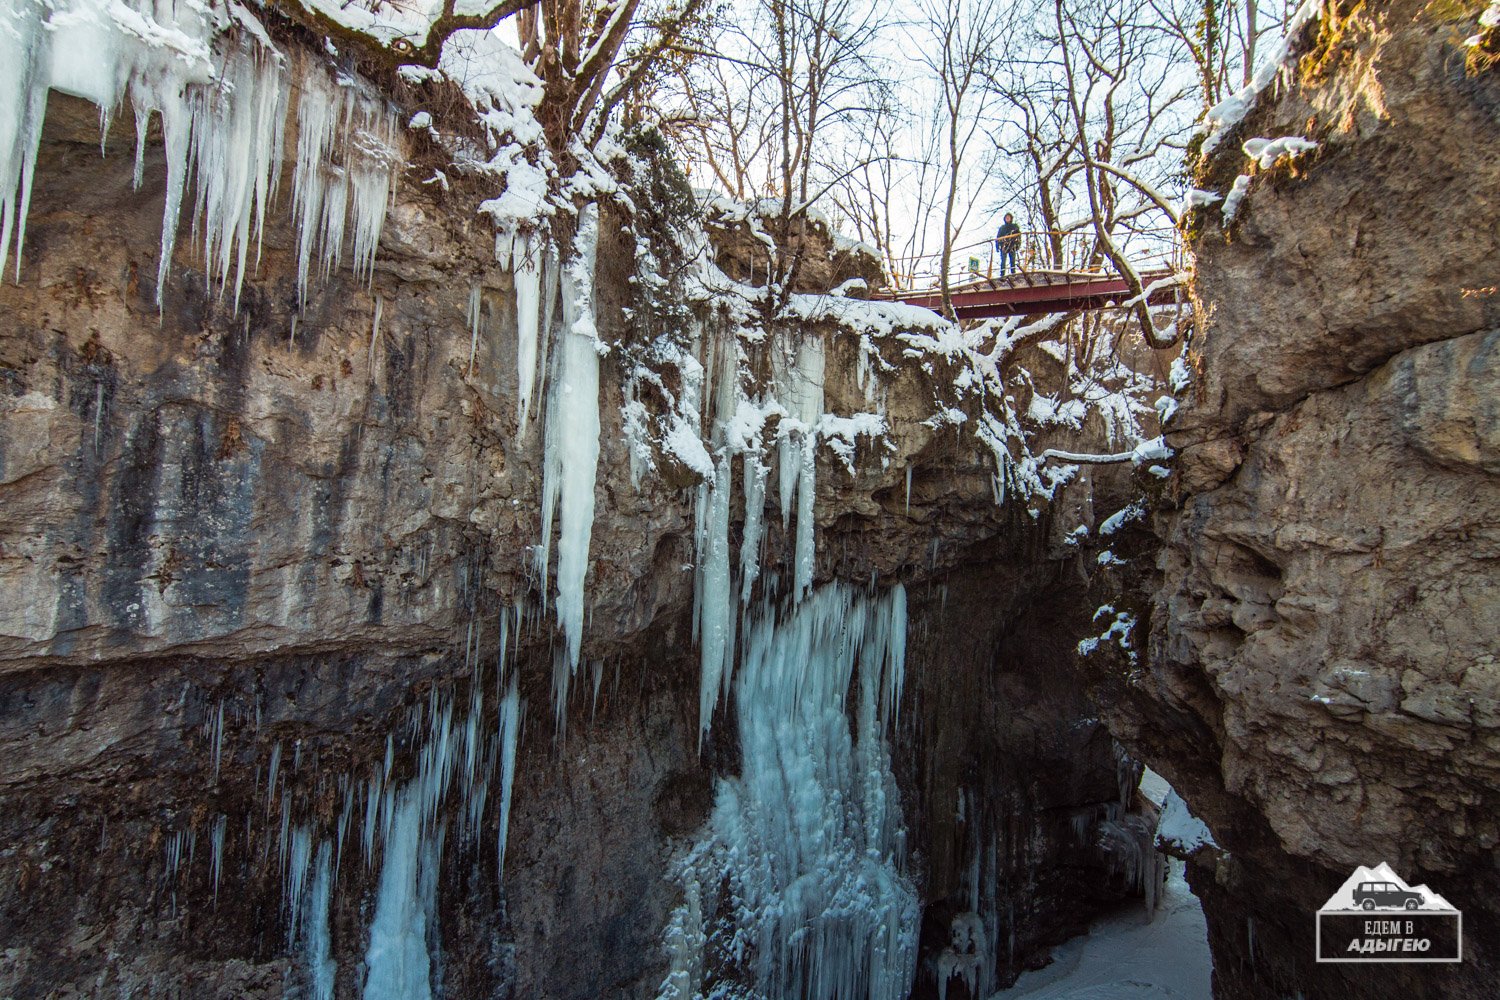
(1040, 252)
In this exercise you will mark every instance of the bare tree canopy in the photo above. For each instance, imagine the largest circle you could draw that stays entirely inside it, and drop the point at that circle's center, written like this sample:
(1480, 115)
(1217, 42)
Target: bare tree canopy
(911, 129)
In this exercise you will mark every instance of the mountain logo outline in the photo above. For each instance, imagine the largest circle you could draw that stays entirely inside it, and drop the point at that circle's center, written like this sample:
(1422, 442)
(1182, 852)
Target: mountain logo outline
(1381, 889)
(1376, 916)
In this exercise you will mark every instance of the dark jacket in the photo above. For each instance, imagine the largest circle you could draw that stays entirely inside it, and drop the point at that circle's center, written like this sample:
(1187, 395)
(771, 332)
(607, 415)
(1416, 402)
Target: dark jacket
(1008, 237)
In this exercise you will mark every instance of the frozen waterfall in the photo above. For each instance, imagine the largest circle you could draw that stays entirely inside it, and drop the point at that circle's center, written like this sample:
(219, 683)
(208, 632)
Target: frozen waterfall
(808, 840)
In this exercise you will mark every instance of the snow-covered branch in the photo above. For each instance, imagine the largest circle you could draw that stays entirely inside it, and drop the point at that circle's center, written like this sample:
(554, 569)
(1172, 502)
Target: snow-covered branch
(1083, 458)
(389, 41)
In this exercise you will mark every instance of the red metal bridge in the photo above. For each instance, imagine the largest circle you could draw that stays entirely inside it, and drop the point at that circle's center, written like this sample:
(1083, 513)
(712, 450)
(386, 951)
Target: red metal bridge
(1040, 292)
(1041, 286)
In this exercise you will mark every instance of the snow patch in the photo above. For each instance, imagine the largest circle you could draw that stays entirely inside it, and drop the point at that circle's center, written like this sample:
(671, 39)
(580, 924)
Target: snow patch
(1266, 152)
(1237, 192)
(1228, 113)
(1177, 828)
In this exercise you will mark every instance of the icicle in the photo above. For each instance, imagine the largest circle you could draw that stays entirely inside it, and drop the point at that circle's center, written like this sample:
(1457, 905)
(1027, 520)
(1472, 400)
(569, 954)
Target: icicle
(271, 779)
(551, 280)
(345, 815)
(799, 383)
(298, 862)
(509, 737)
(375, 332)
(346, 145)
(755, 474)
(475, 317)
(807, 548)
(397, 960)
(571, 454)
(908, 490)
(700, 548)
(237, 131)
(317, 946)
(216, 853)
(174, 855)
(716, 603)
(895, 673)
(528, 279)
(142, 127)
(715, 606)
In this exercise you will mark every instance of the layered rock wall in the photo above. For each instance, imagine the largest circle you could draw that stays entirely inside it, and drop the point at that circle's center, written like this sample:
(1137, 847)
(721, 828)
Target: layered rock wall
(1323, 618)
(255, 556)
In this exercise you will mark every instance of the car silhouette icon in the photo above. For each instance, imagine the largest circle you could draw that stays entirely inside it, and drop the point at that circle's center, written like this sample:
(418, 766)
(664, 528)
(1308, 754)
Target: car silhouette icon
(1386, 896)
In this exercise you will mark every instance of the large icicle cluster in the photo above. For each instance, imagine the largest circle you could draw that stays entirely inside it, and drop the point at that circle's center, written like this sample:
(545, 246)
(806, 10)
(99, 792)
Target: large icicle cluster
(807, 843)
(345, 158)
(221, 89)
(462, 754)
(739, 420)
(405, 822)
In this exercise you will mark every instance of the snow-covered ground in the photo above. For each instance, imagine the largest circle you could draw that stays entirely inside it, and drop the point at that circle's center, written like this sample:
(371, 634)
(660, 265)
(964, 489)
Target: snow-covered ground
(1125, 958)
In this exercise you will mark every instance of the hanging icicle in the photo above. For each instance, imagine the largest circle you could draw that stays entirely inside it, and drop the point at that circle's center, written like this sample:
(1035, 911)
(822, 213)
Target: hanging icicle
(211, 75)
(571, 454)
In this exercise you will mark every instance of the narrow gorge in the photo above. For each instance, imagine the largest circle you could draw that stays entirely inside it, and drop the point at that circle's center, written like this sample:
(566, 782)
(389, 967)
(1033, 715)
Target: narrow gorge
(442, 561)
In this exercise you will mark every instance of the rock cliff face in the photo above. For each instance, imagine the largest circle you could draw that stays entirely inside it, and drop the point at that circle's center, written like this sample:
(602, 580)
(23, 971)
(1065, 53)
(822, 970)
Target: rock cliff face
(1322, 682)
(256, 559)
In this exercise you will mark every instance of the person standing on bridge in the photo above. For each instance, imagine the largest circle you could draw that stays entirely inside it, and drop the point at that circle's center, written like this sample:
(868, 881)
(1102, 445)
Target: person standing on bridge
(1008, 243)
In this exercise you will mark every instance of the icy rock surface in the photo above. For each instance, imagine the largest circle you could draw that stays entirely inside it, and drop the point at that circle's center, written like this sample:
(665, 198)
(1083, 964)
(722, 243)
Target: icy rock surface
(405, 829)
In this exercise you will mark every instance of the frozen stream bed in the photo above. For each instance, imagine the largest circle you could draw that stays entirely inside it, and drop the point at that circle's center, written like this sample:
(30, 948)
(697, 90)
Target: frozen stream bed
(1123, 957)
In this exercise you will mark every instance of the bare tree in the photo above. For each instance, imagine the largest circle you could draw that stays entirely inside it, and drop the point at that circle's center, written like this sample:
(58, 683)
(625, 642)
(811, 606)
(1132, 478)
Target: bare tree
(1216, 37)
(578, 48)
(1038, 145)
(781, 93)
(965, 34)
(895, 199)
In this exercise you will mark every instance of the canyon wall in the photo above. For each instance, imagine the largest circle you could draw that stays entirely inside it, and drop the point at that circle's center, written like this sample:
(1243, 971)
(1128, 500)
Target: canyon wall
(1322, 618)
(267, 568)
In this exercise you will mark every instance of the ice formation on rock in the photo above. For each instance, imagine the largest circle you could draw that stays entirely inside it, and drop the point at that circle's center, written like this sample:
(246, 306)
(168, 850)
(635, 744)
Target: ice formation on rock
(220, 87)
(526, 270)
(964, 957)
(808, 842)
(799, 379)
(345, 156)
(571, 457)
(738, 429)
(459, 751)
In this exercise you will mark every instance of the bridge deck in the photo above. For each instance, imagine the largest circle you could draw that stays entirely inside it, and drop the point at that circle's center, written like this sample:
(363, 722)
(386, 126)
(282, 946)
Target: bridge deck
(1033, 292)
